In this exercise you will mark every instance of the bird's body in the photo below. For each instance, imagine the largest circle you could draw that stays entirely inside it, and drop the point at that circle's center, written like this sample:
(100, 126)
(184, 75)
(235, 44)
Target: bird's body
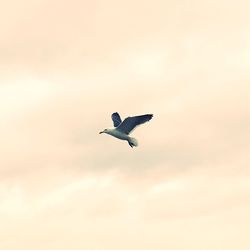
(122, 136)
(124, 128)
(118, 134)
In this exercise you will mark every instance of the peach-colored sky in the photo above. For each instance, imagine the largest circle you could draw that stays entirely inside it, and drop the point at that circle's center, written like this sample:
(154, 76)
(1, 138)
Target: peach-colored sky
(65, 66)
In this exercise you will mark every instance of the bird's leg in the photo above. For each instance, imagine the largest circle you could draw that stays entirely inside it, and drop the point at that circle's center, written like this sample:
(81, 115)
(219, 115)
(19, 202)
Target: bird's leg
(130, 144)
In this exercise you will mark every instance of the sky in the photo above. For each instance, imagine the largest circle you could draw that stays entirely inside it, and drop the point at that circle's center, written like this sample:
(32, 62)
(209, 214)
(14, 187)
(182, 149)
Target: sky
(66, 66)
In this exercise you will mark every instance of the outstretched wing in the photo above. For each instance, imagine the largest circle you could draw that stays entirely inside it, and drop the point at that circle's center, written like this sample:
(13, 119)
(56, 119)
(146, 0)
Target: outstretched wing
(116, 119)
(130, 123)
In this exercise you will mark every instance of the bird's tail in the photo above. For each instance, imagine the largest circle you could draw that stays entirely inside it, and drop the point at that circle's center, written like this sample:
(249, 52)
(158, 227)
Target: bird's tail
(132, 142)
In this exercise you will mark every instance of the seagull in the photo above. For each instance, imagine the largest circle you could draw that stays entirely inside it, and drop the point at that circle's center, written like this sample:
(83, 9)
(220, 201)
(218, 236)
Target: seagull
(122, 129)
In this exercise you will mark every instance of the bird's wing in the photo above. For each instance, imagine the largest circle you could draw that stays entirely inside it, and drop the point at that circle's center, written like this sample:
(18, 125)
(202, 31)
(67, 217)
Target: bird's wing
(116, 119)
(130, 123)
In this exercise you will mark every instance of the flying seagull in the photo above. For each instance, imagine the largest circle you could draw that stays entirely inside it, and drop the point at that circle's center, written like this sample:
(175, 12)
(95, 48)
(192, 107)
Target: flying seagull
(124, 128)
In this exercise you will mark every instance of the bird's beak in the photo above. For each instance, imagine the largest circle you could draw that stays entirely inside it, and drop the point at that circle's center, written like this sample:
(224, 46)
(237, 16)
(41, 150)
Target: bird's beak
(101, 132)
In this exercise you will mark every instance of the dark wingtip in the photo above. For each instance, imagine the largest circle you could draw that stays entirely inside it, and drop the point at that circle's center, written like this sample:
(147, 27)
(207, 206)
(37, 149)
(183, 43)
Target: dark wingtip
(150, 116)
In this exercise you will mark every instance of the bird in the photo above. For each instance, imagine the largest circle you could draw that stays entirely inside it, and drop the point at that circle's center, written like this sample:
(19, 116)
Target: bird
(122, 129)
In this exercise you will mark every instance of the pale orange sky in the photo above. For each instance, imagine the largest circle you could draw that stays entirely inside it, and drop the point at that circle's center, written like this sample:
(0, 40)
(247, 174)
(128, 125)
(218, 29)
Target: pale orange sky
(65, 66)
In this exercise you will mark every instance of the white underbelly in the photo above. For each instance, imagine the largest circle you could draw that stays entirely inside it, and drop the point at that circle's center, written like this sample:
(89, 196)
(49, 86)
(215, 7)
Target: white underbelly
(119, 135)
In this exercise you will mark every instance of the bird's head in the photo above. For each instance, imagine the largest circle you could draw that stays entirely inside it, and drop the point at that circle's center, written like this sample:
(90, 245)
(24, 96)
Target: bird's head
(104, 131)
